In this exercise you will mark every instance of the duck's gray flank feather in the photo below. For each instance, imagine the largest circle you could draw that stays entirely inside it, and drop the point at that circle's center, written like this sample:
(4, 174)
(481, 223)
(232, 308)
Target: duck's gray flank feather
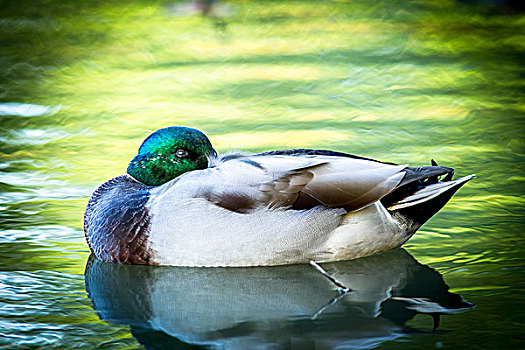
(116, 221)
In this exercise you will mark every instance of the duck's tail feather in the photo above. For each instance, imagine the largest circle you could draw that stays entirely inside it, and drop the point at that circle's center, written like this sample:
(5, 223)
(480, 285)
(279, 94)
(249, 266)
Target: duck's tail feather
(422, 204)
(426, 175)
(415, 179)
(430, 192)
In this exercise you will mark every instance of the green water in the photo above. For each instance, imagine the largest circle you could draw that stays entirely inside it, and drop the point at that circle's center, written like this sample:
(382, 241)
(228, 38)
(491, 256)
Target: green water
(83, 83)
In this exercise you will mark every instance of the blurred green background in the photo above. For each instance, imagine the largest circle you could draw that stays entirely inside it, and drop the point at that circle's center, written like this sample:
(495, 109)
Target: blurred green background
(82, 83)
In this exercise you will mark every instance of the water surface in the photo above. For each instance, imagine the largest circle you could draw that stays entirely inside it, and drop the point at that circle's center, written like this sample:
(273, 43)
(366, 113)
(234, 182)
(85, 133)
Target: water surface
(82, 84)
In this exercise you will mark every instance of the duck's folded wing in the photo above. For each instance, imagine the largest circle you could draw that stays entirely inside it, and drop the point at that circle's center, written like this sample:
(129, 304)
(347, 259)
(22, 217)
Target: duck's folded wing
(248, 182)
(354, 189)
(242, 184)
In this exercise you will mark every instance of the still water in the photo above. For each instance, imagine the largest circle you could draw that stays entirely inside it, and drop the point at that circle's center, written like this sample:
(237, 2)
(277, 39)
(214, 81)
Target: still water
(83, 83)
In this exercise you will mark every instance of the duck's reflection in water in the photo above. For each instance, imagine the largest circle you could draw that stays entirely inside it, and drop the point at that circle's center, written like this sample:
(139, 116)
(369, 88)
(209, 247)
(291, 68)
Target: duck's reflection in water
(284, 307)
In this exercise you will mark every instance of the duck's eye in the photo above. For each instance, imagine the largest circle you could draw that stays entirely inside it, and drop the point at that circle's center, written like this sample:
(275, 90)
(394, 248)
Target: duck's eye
(181, 153)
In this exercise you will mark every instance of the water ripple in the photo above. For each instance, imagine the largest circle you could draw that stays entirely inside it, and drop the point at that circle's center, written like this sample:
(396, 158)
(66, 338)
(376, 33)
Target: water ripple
(27, 110)
(45, 309)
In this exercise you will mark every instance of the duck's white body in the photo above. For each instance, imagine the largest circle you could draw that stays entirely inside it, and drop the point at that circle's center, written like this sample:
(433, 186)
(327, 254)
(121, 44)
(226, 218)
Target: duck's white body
(240, 211)
(269, 237)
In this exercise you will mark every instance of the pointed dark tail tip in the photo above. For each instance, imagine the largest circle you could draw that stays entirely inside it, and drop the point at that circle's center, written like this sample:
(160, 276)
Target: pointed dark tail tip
(418, 213)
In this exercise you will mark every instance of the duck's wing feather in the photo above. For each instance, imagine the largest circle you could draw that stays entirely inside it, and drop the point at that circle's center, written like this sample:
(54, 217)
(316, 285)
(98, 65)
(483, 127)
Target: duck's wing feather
(413, 174)
(242, 183)
(352, 183)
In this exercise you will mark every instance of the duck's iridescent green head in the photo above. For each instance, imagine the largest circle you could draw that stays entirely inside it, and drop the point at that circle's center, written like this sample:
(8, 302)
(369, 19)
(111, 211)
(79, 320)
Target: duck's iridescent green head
(170, 152)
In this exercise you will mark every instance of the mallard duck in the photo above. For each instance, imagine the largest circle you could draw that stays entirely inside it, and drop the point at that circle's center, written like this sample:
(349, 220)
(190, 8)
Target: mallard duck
(180, 204)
